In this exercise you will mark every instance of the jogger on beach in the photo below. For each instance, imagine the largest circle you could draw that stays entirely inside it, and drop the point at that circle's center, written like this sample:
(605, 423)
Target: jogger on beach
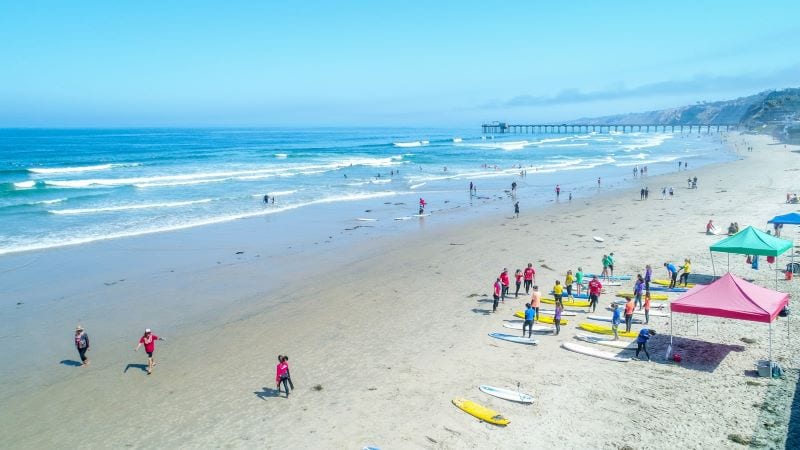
(149, 341)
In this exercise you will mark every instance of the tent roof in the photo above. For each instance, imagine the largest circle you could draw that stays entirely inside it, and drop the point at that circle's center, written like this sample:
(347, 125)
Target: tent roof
(733, 298)
(751, 241)
(786, 219)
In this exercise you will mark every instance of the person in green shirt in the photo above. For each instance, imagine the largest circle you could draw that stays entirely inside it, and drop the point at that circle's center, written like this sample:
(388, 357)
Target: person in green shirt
(604, 273)
(611, 263)
(579, 280)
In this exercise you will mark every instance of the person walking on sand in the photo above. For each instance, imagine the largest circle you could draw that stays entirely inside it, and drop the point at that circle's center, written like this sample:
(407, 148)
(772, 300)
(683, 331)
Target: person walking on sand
(530, 314)
(282, 376)
(595, 287)
(616, 318)
(149, 341)
(285, 360)
(647, 307)
(629, 307)
(673, 274)
(505, 282)
(82, 344)
(557, 316)
(498, 291)
(517, 281)
(638, 289)
(648, 276)
(568, 280)
(687, 270)
(558, 291)
(641, 341)
(516, 210)
(529, 276)
(536, 301)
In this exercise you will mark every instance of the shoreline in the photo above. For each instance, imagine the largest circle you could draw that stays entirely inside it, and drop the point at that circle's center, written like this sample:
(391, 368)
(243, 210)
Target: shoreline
(399, 317)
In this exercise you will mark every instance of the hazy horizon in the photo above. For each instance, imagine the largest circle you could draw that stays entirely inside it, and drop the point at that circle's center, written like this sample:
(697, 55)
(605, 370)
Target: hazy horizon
(444, 64)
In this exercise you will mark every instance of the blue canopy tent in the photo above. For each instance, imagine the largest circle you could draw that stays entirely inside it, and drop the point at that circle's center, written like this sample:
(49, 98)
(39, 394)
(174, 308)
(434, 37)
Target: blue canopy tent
(787, 219)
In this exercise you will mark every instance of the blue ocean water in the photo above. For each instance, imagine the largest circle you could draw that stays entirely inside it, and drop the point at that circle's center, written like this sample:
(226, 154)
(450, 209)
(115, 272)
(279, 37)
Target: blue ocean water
(61, 187)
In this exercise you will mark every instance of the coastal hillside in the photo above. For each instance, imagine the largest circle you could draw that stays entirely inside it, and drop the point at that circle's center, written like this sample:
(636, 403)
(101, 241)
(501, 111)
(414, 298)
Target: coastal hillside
(775, 112)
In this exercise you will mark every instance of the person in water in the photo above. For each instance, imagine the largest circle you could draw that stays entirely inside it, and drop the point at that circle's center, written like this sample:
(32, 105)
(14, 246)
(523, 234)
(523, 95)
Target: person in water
(82, 344)
(282, 376)
(149, 341)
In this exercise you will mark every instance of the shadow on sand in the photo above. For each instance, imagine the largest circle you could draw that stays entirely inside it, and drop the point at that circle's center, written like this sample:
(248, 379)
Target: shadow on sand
(142, 367)
(696, 355)
(266, 393)
(71, 363)
(485, 312)
(793, 433)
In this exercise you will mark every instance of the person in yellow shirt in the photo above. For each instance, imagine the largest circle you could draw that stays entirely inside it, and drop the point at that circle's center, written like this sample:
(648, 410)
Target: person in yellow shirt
(558, 291)
(568, 280)
(687, 270)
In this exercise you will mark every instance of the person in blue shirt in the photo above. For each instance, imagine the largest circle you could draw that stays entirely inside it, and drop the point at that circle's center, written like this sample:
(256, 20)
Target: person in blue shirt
(616, 319)
(530, 313)
(641, 341)
(638, 288)
(673, 274)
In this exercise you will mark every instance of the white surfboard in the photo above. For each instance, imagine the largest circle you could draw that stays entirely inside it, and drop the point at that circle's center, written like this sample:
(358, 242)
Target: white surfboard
(402, 218)
(517, 325)
(652, 313)
(608, 319)
(420, 215)
(506, 394)
(592, 352)
(512, 338)
(598, 239)
(550, 312)
(608, 342)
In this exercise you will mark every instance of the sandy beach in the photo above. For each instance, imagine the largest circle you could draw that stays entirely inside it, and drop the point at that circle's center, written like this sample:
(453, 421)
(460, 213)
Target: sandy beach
(383, 333)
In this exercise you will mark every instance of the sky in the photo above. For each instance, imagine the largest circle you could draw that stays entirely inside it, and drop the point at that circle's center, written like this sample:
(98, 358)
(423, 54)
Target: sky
(381, 63)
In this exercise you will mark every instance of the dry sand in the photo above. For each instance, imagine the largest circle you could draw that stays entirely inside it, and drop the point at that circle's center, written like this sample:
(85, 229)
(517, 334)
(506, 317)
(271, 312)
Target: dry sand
(379, 346)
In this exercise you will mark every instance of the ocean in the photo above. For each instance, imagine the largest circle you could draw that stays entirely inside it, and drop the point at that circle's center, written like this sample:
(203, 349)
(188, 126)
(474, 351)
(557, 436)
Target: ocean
(68, 187)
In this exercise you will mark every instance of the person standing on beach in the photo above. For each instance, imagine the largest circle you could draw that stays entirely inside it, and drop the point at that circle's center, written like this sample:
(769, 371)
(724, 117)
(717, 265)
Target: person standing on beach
(664, 193)
(149, 341)
(646, 192)
(568, 280)
(673, 274)
(517, 281)
(579, 280)
(282, 376)
(629, 307)
(641, 194)
(616, 318)
(516, 210)
(647, 307)
(530, 314)
(529, 277)
(570, 196)
(648, 276)
(506, 282)
(604, 261)
(536, 301)
(82, 344)
(558, 291)
(638, 289)
(611, 263)
(595, 287)
(557, 316)
(285, 360)
(641, 341)
(598, 181)
(558, 191)
(687, 270)
(498, 291)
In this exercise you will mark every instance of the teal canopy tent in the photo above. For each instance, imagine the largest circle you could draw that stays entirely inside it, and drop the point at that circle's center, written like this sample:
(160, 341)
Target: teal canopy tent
(751, 241)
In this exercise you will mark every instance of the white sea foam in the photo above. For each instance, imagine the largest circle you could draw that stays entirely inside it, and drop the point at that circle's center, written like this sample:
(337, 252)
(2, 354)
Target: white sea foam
(414, 186)
(24, 184)
(281, 155)
(581, 144)
(410, 144)
(127, 207)
(77, 169)
(49, 202)
(648, 142)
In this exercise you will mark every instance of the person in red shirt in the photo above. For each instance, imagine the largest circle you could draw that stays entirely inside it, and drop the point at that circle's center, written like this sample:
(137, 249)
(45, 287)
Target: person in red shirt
(149, 341)
(529, 275)
(629, 307)
(518, 281)
(595, 287)
(505, 281)
(498, 290)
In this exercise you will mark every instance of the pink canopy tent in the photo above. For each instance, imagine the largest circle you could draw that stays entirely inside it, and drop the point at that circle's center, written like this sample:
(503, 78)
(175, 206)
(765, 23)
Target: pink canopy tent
(733, 298)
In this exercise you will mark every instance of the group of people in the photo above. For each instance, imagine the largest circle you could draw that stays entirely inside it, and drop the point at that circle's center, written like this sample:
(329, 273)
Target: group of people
(644, 193)
(672, 271)
(692, 183)
(148, 340)
(638, 171)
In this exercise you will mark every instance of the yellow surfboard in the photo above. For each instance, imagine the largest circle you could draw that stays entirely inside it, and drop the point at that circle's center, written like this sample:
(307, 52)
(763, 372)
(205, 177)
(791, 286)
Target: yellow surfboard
(542, 318)
(653, 296)
(604, 329)
(567, 302)
(481, 412)
(666, 283)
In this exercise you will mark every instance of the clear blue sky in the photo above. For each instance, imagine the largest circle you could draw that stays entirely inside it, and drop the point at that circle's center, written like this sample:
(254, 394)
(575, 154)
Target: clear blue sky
(310, 63)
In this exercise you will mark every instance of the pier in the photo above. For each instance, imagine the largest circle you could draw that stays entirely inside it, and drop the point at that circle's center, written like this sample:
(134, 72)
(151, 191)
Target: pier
(502, 127)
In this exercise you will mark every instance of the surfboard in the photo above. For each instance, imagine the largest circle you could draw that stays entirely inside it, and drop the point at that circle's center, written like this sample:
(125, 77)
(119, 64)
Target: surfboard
(608, 342)
(652, 313)
(598, 239)
(614, 278)
(667, 282)
(517, 325)
(666, 289)
(481, 412)
(402, 218)
(513, 338)
(576, 303)
(652, 296)
(581, 295)
(608, 319)
(506, 394)
(420, 215)
(592, 352)
(550, 312)
(604, 329)
(542, 318)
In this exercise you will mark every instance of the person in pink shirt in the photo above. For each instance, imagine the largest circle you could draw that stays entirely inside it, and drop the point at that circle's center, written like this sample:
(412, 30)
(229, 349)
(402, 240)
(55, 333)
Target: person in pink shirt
(518, 281)
(529, 276)
(149, 341)
(536, 301)
(595, 287)
(498, 291)
(506, 282)
(282, 375)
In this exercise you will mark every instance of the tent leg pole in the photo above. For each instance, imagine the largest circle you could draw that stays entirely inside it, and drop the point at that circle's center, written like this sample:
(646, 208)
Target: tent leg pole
(770, 349)
(713, 269)
(729, 262)
(697, 325)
